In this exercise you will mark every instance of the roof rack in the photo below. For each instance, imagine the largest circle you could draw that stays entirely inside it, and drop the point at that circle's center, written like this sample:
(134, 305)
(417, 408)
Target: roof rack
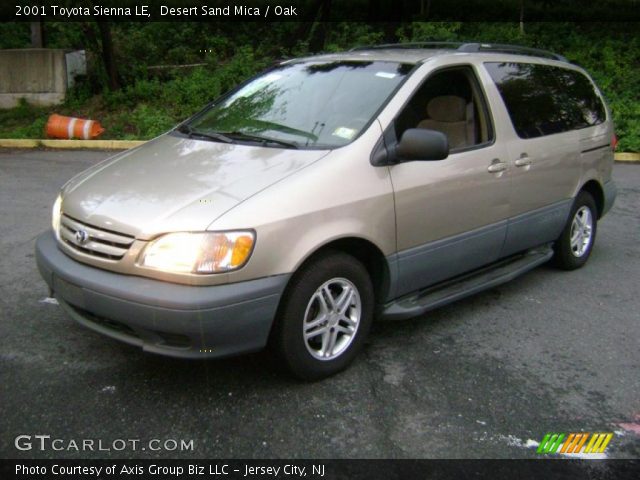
(385, 46)
(470, 47)
(515, 49)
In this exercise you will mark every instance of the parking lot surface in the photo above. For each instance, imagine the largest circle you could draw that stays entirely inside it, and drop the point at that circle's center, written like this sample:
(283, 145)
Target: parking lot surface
(486, 377)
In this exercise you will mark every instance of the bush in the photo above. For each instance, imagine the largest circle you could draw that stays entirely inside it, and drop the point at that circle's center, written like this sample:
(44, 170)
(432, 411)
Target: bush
(19, 122)
(150, 121)
(150, 101)
(609, 52)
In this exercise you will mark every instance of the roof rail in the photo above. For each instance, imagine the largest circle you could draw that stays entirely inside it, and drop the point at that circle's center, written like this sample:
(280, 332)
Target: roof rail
(515, 49)
(469, 47)
(453, 45)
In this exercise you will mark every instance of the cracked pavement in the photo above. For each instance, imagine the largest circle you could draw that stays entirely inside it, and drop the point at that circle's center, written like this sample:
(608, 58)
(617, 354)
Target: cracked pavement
(485, 377)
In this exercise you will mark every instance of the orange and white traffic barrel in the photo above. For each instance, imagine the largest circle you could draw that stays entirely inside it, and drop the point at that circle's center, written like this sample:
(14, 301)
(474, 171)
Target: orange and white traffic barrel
(59, 126)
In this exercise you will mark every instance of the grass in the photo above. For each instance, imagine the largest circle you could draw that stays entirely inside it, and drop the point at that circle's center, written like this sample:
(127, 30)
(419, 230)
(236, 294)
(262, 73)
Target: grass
(149, 107)
(140, 123)
(142, 110)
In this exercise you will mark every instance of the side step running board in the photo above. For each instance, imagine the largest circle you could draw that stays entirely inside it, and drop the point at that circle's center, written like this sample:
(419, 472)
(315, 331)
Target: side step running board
(418, 303)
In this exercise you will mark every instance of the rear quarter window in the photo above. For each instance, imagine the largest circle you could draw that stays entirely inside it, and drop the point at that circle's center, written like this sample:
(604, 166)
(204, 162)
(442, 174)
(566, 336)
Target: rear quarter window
(543, 100)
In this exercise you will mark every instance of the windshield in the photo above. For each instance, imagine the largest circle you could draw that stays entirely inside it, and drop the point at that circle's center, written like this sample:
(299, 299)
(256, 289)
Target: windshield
(309, 104)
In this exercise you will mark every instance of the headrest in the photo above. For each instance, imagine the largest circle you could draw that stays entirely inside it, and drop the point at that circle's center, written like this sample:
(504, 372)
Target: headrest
(447, 108)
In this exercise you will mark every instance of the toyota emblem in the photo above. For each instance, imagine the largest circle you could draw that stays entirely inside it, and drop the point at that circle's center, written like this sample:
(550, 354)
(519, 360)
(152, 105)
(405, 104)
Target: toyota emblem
(81, 237)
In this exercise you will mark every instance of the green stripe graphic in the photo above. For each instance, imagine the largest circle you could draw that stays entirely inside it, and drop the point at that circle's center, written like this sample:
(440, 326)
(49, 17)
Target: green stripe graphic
(550, 443)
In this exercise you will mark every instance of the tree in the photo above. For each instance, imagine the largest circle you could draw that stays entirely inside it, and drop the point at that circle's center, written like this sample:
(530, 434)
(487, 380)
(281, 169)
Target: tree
(107, 55)
(37, 35)
(319, 33)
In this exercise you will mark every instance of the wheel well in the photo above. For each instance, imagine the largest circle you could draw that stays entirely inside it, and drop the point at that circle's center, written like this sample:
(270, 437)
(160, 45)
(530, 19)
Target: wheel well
(594, 188)
(371, 257)
(366, 252)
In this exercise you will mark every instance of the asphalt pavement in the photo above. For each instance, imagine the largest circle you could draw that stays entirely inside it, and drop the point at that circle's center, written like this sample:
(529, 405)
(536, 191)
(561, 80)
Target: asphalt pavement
(486, 377)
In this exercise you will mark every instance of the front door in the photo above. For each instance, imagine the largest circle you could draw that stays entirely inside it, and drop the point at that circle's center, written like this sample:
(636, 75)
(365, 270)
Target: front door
(451, 214)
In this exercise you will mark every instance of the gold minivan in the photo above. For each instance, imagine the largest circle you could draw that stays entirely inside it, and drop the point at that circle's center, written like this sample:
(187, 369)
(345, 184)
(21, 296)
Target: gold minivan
(331, 190)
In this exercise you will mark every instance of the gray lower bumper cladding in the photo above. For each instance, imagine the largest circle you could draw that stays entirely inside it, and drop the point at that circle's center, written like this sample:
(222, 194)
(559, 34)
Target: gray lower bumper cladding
(170, 319)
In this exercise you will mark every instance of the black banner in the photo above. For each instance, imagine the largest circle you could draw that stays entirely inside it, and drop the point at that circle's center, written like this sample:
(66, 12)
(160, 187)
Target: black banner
(324, 10)
(320, 469)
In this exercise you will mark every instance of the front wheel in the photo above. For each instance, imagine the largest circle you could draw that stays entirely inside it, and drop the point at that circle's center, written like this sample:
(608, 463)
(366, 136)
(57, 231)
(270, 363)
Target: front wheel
(574, 246)
(325, 316)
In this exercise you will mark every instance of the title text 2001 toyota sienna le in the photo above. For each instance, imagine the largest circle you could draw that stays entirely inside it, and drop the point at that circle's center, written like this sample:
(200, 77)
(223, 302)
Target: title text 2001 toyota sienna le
(329, 190)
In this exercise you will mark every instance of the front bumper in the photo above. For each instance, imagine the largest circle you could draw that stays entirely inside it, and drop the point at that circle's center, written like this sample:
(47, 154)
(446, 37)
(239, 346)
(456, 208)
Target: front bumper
(166, 318)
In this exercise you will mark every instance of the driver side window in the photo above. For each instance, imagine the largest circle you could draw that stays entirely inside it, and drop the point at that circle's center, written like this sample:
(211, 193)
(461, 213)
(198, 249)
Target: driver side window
(449, 101)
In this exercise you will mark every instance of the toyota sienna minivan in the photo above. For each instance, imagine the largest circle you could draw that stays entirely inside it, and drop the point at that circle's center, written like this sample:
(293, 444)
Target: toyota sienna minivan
(331, 190)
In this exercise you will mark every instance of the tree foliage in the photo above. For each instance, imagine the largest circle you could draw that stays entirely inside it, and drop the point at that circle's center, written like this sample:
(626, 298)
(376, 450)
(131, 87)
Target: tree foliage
(155, 89)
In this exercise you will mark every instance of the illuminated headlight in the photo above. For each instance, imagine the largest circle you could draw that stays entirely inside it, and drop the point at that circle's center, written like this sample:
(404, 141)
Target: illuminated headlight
(55, 214)
(200, 252)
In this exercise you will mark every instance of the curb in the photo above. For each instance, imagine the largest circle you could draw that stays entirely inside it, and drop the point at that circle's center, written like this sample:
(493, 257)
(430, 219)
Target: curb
(70, 144)
(126, 144)
(627, 157)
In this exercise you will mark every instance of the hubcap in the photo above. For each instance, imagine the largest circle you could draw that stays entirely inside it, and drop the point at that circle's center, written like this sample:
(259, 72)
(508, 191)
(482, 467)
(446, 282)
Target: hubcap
(581, 231)
(332, 318)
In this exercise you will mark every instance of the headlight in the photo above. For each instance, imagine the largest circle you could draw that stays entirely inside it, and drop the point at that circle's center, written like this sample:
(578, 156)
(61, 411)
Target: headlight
(55, 214)
(201, 252)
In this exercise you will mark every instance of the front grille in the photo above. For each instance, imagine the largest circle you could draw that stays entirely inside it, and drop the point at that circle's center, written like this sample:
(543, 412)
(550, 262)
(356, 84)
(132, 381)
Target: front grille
(92, 240)
(174, 340)
(106, 323)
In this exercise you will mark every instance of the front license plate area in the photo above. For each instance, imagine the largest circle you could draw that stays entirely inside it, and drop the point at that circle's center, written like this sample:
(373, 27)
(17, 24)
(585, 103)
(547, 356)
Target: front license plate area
(69, 292)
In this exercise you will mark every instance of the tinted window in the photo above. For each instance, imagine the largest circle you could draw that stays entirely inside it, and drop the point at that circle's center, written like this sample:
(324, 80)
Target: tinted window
(543, 100)
(315, 103)
(587, 106)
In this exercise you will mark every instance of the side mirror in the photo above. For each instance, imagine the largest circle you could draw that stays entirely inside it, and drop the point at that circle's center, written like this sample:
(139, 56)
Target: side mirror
(422, 144)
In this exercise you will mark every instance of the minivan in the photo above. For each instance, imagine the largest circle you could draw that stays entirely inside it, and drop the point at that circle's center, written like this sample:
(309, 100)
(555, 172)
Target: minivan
(330, 190)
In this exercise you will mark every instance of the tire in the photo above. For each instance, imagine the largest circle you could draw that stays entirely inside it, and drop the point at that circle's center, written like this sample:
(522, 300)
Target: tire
(311, 335)
(582, 225)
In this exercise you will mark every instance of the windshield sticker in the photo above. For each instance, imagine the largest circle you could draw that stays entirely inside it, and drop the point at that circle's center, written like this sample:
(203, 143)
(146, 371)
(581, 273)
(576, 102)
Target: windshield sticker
(344, 132)
(386, 75)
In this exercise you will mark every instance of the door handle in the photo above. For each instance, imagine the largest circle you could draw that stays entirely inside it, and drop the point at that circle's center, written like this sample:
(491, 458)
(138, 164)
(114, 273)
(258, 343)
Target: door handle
(523, 161)
(497, 166)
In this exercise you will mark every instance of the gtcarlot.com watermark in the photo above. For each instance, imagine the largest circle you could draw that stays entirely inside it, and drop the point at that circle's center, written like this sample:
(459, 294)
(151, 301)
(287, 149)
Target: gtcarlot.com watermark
(49, 443)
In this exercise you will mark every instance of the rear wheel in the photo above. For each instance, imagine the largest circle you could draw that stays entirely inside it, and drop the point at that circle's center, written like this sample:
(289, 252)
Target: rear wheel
(325, 316)
(574, 246)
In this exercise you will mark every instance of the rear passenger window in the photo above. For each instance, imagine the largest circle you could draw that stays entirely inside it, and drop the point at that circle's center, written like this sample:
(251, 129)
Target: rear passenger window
(543, 100)
(582, 96)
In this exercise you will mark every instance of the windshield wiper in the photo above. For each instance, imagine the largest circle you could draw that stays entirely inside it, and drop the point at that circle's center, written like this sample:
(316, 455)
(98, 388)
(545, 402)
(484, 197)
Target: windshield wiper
(189, 130)
(257, 138)
(265, 125)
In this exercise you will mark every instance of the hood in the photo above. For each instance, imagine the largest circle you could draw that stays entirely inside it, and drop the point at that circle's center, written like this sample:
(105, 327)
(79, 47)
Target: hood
(176, 184)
